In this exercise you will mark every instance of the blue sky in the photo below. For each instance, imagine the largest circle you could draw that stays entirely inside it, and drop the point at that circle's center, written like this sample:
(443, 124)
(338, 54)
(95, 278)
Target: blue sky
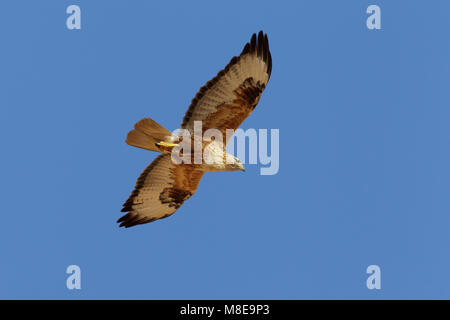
(364, 151)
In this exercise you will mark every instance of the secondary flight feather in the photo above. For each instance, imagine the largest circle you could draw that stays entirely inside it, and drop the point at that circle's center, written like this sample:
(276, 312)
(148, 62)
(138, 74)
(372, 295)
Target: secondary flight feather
(222, 103)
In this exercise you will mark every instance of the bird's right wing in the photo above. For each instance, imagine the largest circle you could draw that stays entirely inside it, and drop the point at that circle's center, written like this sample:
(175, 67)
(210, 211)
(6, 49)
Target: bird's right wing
(160, 190)
(230, 97)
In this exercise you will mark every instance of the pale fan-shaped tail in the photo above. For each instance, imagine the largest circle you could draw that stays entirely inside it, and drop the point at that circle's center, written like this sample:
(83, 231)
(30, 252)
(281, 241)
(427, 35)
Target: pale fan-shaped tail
(149, 135)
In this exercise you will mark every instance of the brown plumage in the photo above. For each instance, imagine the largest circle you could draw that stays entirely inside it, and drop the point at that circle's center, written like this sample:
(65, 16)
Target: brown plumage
(222, 103)
(229, 98)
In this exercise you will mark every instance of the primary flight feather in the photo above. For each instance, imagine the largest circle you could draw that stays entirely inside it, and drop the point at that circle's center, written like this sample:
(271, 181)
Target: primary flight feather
(222, 103)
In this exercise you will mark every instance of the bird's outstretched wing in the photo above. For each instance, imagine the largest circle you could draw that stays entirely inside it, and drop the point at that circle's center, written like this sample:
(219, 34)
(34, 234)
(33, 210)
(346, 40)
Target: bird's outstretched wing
(160, 190)
(229, 98)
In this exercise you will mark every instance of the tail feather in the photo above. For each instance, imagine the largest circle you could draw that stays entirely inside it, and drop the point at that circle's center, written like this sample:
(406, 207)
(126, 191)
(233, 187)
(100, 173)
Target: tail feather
(152, 128)
(147, 134)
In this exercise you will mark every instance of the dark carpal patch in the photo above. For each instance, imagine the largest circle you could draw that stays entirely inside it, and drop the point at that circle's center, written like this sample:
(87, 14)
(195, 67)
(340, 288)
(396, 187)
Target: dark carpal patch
(174, 197)
(248, 93)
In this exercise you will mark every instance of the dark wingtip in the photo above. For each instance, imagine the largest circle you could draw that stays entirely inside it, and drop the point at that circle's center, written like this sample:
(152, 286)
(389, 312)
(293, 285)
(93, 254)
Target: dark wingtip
(253, 43)
(132, 219)
(128, 220)
(259, 44)
(246, 49)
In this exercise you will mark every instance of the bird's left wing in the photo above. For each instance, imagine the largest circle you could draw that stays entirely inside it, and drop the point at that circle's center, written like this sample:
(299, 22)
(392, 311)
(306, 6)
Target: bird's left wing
(160, 190)
(229, 98)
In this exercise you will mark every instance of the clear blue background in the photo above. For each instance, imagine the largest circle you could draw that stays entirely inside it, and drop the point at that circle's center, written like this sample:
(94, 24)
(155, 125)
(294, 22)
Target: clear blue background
(364, 151)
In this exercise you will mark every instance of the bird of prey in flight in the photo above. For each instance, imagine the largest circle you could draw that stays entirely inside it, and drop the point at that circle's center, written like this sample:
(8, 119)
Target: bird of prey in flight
(223, 103)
